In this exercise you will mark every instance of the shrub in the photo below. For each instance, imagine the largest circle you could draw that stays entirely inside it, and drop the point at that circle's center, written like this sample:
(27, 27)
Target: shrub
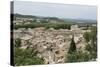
(26, 57)
(80, 57)
(92, 51)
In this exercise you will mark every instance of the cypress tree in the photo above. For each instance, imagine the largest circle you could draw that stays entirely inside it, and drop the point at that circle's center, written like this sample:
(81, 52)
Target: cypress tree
(72, 46)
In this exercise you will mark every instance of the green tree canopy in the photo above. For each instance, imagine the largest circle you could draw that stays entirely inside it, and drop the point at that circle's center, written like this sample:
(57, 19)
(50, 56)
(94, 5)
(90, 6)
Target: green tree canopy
(26, 57)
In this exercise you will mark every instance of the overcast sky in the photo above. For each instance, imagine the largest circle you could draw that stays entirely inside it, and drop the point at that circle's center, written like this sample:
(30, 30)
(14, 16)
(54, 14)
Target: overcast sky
(55, 10)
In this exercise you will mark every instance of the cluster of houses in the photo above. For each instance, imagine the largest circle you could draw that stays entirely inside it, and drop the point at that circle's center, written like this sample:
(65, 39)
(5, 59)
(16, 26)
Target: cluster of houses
(51, 44)
(22, 20)
(28, 20)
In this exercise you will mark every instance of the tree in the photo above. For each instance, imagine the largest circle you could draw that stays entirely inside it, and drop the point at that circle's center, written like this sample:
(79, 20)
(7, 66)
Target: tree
(91, 37)
(79, 56)
(94, 37)
(87, 36)
(72, 46)
(26, 57)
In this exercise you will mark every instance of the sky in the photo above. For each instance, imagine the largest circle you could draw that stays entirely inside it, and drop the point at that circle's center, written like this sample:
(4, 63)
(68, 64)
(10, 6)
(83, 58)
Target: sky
(55, 10)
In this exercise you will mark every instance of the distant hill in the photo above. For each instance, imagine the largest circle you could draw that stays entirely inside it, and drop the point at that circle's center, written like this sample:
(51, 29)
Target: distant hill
(62, 20)
(82, 20)
(39, 17)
